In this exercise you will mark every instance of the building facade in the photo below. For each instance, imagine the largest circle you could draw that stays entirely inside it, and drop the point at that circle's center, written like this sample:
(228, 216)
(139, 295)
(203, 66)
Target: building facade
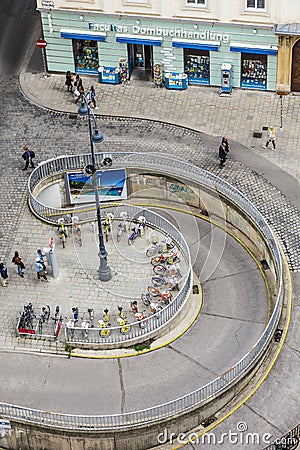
(191, 37)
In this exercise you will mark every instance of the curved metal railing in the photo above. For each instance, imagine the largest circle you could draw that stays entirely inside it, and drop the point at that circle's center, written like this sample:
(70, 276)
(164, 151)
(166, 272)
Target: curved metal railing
(150, 326)
(186, 403)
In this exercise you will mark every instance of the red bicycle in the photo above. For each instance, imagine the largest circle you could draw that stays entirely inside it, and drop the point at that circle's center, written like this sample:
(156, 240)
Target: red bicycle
(165, 258)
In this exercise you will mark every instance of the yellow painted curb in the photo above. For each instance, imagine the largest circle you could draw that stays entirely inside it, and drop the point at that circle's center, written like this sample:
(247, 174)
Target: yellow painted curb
(289, 311)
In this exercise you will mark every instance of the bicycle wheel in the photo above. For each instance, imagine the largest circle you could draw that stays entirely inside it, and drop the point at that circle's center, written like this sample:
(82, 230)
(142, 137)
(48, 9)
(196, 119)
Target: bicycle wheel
(131, 239)
(159, 269)
(154, 291)
(156, 260)
(158, 281)
(150, 251)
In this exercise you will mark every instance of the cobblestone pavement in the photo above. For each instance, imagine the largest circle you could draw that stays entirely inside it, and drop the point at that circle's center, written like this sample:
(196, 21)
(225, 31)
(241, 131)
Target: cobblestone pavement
(198, 107)
(52, 133)
(249, 111)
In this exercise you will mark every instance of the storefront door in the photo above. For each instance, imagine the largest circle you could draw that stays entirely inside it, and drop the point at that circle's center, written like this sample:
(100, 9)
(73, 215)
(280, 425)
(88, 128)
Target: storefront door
(141, 60)
(296, 68)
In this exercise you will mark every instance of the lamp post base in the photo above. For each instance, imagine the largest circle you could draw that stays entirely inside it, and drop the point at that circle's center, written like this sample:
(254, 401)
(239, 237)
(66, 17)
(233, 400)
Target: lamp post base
(104, 271)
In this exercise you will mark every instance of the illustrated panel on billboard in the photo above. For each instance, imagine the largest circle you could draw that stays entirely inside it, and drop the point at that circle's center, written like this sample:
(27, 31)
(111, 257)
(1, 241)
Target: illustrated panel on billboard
(112, 186)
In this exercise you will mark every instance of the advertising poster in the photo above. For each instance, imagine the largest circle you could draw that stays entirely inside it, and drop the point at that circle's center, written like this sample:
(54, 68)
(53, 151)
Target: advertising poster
(112, 186)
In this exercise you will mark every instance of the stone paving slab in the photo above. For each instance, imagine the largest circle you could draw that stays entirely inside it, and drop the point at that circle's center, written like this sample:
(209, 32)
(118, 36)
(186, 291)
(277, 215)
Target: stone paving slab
(197, 107)
(247, 111)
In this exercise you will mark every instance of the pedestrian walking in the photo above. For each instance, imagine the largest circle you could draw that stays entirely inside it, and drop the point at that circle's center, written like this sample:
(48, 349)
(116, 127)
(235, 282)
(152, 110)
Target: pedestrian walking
(69, 81)
(225, 141)
(271, 138)
(91, 97)
(4, 275)
(17, 260)
(222, 154)
(79, 91)
(28, 156)
(42, 259)
(39, 270)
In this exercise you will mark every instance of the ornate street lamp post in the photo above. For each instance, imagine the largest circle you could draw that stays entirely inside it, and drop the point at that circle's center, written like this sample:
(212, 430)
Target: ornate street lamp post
(96, 136)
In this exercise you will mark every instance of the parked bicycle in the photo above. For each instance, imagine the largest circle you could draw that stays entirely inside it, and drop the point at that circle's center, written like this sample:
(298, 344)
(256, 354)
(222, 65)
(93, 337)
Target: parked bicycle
(166, 258)
(146, 299)
(139, 316)
(77, 229)
(139, 230)
(25, 320)
(106, 224)
(161, 247)
(104, 324)
(155, 308)
(85, 325)
(172, 270)
(122, 226)
(70, 327)
(122, 321)
(75, 314)
(43, 317)
(134, 306)
(167, 283)
(62, 231)
(56, 318)
(91, 317)
(121, 312)
(165, 295)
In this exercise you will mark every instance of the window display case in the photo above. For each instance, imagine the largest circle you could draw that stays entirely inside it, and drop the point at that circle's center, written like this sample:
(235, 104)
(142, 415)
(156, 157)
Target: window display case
(197, 66)
(176, 80)
(253, 71)
(110, 75)
(86, 56)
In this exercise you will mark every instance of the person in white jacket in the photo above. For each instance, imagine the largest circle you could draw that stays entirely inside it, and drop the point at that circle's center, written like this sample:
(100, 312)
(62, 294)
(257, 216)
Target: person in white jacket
(271, 138)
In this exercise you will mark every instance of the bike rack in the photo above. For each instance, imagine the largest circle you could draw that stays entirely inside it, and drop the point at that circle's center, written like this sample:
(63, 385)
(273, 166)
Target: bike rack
(33, 332)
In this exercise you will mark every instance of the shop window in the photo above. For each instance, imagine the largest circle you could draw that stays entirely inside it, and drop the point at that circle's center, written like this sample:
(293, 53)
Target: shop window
(259, 5)
(197, 66)
(253, 71)
(86, 56)
(195, 2)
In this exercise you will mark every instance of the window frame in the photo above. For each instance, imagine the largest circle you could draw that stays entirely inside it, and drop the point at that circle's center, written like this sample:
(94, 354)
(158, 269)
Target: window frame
(255, 8)
(195, 4)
